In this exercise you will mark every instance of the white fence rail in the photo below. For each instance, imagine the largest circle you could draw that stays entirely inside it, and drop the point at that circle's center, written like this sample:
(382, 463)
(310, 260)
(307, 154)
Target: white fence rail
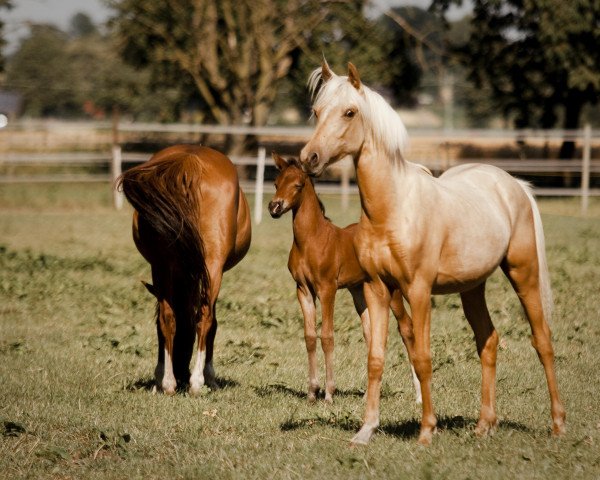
(111, 162)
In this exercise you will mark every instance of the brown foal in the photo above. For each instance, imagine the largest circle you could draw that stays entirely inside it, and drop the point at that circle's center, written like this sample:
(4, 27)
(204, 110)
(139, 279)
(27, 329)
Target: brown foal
(322, 260)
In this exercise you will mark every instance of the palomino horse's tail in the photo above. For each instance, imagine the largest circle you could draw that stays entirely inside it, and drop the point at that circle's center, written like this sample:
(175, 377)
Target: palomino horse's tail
(544, 275)
(165, 191)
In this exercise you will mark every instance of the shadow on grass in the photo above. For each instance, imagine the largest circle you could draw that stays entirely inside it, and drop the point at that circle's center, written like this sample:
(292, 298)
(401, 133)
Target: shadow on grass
(273, 388)
(404, 430)
(147, 384)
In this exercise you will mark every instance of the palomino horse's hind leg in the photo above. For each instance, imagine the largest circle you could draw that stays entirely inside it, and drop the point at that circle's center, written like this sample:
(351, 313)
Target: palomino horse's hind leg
(206, 325)
(486, 339)
(523, 275)
(327, 298)
(307, 304)
(405, 328)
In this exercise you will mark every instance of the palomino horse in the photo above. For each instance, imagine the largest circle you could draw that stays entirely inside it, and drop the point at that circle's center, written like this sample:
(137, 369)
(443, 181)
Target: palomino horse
(426, 235)
(322, 260)
(191, 223)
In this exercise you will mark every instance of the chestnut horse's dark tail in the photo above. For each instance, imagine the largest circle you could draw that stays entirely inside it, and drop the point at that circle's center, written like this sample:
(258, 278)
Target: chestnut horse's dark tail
(165, 191)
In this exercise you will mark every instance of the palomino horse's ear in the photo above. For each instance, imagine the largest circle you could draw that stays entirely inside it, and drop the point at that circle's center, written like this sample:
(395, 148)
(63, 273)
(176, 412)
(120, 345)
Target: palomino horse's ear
(280, 162)
(326, 72)
(353, 76)
(149, 287)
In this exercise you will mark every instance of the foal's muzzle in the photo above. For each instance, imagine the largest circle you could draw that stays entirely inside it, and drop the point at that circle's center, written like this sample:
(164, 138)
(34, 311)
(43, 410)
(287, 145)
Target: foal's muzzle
(276, 208)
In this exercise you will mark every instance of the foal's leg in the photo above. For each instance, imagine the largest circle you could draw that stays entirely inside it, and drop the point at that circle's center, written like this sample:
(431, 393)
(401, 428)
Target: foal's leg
(486, 339)
(327, 298)
(360, 304)
(405, 328)
(378, 298)
(203, 329)
(419, 297)
(307, 304)
(523, 275)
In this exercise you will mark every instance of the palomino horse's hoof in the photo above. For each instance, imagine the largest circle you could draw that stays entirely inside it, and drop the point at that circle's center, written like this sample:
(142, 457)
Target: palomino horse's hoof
(363, 436)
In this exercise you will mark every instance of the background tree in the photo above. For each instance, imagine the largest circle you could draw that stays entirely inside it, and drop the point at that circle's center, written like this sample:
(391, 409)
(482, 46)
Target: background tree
(4, 4)
(539, 58)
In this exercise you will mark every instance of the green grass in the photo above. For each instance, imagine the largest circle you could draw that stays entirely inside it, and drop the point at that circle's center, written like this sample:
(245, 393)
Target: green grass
(78, 346)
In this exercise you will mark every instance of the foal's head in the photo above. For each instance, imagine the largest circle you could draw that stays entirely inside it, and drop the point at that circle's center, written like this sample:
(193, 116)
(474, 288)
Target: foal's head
(289, 186)
(349, 114)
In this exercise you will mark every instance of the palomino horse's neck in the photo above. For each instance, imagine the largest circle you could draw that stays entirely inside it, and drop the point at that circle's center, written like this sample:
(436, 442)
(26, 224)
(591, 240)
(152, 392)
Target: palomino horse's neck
(379, 179)
(307, 216)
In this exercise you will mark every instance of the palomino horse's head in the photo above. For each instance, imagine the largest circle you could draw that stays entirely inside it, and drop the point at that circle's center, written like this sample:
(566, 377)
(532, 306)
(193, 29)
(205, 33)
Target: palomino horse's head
(349, 114)
(289, 185)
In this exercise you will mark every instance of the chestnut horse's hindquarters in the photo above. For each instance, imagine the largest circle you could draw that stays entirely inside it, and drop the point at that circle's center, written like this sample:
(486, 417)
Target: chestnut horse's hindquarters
(166, 196)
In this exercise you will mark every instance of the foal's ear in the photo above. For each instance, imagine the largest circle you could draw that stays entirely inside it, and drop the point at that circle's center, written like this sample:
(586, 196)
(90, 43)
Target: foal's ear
(326, 72)
(149, 287)
(280, 162)
(353, 76)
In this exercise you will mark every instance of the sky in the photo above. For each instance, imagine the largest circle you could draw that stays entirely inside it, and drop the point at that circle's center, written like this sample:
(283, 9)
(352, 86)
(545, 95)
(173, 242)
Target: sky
(59, 12)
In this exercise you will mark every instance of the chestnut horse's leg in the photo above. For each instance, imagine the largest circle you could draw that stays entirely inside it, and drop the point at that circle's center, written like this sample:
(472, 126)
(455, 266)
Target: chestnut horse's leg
(419, 298)
(307, 303)
(486, 339)
(524, 278)
(204, 327)
(405, 328)
(166, 321)
(378, 299)
(327, 297)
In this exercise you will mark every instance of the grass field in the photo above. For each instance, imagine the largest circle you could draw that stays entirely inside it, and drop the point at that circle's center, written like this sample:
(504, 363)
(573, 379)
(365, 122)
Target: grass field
(77, 353)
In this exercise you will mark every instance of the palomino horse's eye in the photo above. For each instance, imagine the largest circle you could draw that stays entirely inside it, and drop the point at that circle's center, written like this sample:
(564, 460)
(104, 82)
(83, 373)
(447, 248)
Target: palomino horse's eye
(350, 113)
(314, 112)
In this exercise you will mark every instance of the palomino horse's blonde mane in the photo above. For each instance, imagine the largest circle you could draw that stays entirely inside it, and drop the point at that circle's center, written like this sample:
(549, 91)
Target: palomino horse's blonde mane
(383, 123)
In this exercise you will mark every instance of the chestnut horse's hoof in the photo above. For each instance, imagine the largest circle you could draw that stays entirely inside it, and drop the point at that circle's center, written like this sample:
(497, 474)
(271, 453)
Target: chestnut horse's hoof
(559, 429)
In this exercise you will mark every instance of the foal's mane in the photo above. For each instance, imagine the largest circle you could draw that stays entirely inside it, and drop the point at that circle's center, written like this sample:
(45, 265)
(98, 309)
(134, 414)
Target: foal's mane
(384, 124)
(294, 162)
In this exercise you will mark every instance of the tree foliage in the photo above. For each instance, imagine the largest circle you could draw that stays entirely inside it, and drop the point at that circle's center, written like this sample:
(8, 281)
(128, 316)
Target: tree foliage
(82, 74)
(539, 58)
(4, 4)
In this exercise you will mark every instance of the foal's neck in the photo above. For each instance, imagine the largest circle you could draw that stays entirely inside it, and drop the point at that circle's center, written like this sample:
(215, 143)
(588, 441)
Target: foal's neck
(308, 216)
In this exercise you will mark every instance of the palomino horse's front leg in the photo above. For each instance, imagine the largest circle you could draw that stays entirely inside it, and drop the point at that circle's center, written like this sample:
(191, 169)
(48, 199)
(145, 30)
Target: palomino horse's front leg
(307, 304)
(378, 299)
(419, 297)
(327, 298)
(405, 328)
(203, 372)
(486, 339)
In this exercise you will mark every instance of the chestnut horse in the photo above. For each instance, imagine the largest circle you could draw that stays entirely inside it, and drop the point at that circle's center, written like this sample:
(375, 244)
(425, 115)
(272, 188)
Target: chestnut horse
(322, 260)
(191, 223)
(426, 235)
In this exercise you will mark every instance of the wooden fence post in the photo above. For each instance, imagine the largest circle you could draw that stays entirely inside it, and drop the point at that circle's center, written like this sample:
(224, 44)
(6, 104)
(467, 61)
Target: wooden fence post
(260, 180)
(115, 172)
(585, 168)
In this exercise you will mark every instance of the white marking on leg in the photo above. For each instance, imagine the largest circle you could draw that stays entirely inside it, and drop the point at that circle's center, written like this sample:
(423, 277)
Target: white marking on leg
(168, 381)
(417, 384)
(197, 377)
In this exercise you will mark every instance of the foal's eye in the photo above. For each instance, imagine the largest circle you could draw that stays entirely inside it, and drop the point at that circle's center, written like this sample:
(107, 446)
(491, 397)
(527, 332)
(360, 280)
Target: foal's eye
(350, 113)
(275, 186)
(298, 186)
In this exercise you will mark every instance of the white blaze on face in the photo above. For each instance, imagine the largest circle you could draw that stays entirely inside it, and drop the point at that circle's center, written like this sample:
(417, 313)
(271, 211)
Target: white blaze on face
(168, 381)
(197, 377)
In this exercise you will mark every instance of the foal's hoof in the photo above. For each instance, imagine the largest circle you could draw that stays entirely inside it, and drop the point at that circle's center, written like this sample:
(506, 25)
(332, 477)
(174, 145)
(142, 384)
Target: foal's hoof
(426, 436)
(329, 398)
(559, 429)
(486, 427)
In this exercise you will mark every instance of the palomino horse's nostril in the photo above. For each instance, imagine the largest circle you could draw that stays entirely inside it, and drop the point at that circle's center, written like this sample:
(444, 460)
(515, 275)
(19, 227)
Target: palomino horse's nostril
(313, 159)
